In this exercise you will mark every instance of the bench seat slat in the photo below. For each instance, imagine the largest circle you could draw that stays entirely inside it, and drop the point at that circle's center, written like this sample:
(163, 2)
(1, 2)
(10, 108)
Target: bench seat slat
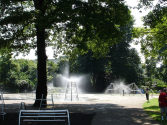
(27, 113)
(43, 110)
(32, 120)
(43, 116)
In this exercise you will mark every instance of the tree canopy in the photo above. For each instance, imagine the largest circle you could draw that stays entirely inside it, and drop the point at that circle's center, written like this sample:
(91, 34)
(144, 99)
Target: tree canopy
(153, 35)
(153, 39)
(70, 25)
(81, 24)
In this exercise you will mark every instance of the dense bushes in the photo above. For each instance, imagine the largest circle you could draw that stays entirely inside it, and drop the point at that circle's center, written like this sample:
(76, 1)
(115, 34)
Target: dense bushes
(20, 75)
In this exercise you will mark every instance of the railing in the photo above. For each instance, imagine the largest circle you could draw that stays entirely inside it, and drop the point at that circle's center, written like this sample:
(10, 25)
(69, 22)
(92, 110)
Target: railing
(2, 106)
(71, 91)
(42, 99)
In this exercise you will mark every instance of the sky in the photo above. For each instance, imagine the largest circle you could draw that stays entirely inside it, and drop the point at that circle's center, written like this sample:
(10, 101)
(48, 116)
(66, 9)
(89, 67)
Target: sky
(138, 23)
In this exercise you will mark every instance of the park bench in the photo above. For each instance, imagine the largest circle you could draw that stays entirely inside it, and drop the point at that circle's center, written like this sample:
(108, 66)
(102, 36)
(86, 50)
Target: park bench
(38, 116)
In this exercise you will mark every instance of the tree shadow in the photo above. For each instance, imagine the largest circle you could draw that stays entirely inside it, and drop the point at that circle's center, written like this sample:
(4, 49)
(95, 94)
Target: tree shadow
(81, 118)
(75, 119)
(151, 108)
(154, 112)
(92, 114)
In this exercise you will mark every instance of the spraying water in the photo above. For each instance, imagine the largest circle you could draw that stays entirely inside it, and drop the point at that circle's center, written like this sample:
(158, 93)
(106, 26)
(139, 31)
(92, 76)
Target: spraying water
(68, 85)
(120, 87)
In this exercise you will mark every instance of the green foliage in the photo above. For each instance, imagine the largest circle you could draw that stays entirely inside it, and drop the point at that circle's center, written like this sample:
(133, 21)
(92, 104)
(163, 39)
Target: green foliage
(20, 75)
(99, 36)
(155, 76)
(85, 25)
(62, 64)
(16, 25)
(5, 64)
(124, 64)
(138, 32)
(150, 67)
(70, 25)
(52, 68)
(15, 74)
(92, 67)
(121, 62)
(160, 83)
(162, 70)
(153, 43)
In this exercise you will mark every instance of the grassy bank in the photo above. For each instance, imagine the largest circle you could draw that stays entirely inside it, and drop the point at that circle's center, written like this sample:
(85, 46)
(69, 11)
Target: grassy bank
(152, 108)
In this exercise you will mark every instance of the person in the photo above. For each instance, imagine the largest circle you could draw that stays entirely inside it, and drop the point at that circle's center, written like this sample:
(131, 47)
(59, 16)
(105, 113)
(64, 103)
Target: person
(147, 94)
(163, 103)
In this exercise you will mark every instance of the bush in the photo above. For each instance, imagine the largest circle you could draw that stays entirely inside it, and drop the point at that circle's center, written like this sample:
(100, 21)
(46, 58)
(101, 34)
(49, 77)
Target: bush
(159, 84)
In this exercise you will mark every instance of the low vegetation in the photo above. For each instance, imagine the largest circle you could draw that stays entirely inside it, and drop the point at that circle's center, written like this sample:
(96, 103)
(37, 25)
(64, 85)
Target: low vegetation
(152, 108)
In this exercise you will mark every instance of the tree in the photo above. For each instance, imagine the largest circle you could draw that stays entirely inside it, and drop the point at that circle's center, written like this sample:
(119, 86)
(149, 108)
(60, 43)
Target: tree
(121, 63)
(17, 75)
(5, 64)
(93, 68)
(125, 64)
(69, 23)
(153, 40)
(153, 35)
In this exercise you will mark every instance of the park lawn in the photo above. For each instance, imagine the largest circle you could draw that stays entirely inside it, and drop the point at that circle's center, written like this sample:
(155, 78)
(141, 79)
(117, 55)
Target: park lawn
(152, 108)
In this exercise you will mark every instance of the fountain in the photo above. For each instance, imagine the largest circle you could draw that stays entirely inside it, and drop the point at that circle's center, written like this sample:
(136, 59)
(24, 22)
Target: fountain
(67, 86)
(134, 88)
(122, 88)
(71, 91)
(118, 88)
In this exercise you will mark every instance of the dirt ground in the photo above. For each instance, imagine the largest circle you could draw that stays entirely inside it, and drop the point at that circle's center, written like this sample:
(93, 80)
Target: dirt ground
(90, 109)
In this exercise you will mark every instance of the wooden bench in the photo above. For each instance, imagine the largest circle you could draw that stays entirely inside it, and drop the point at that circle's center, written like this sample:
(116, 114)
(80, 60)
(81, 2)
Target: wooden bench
(44, 116)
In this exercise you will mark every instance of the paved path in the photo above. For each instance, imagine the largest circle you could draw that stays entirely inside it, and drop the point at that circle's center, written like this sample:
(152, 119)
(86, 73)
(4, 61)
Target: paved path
(114, 109)
(102, 109)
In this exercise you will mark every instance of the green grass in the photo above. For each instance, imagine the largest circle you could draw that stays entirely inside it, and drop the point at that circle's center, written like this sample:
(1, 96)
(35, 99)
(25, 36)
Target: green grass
(152, 108)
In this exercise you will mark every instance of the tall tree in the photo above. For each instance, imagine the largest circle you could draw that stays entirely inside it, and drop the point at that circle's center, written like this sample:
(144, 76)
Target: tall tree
(125, 64)
(153, 39)
(94, 68)
(93, 24)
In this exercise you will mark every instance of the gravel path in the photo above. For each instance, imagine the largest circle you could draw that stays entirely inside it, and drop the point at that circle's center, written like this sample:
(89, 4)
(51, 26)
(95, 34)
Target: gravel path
(96, 109)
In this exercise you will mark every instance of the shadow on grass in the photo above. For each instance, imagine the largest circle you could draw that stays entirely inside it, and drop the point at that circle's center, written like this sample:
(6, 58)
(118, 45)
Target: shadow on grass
(155, 115)
(154, 112)
(151, 108)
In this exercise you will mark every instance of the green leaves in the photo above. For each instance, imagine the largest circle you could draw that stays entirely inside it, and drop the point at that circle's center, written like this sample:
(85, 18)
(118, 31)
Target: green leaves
(15, 21)
(158, 36)
(82, 23)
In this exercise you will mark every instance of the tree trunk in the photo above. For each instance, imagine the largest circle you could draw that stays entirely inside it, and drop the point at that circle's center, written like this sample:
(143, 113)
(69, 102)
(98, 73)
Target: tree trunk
(41, 90)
